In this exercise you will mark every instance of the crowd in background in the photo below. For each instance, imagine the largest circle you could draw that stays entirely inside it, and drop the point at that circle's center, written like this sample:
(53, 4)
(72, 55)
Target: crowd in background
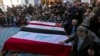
(69, 15)
(84, 13)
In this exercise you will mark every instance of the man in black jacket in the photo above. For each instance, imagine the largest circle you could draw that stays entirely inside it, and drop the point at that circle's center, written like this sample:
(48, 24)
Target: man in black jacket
(83, 45)
(72, 28)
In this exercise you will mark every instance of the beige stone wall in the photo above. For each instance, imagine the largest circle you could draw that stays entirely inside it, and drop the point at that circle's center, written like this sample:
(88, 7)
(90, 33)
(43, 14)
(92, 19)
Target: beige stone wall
(1, 2)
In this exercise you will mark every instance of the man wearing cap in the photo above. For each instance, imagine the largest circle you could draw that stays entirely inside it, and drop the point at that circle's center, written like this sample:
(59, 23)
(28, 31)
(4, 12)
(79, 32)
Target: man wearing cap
(83, 45)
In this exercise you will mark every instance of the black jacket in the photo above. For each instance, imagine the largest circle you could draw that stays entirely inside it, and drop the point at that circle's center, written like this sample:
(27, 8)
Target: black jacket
(69, 30)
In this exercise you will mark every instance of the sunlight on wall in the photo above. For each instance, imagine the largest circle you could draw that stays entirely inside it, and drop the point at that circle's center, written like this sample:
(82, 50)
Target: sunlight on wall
(19, 2)
(14, 2)
(7, 3)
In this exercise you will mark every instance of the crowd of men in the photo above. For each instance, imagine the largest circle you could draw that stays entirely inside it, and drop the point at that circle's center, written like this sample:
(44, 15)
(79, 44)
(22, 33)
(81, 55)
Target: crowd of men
(69, 15)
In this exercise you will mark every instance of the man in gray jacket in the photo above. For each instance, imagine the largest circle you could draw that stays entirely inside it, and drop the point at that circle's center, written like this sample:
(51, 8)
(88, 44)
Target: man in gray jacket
(83, 42)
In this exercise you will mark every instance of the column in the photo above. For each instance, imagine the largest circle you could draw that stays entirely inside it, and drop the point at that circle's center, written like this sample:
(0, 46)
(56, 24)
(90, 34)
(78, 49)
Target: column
(23, 2)
(31, 2)
(19, 2)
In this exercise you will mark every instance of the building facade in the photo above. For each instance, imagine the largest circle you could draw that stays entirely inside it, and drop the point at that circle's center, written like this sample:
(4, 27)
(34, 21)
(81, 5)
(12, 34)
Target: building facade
(5, 3)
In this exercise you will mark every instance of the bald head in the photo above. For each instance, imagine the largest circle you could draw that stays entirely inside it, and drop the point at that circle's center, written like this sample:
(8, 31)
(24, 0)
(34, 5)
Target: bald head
(74, 22)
